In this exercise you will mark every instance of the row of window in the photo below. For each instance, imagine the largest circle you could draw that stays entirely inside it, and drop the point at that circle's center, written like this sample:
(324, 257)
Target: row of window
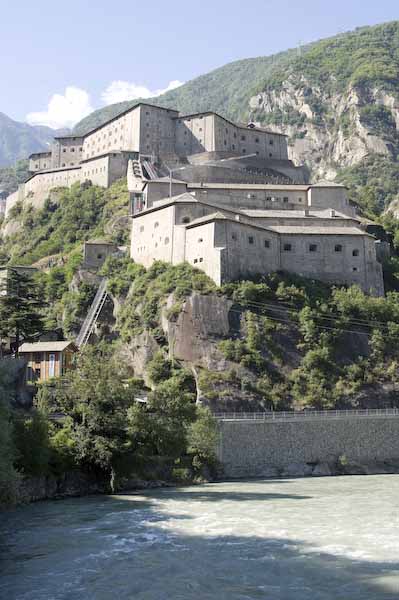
(314, 248)
(71, 149)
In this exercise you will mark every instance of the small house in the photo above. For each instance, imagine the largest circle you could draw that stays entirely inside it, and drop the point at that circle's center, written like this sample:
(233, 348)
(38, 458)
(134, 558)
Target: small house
(95, 252)
(45, 360)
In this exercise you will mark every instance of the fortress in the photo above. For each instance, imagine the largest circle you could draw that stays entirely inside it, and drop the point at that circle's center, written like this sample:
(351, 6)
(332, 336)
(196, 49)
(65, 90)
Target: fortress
(222, 196)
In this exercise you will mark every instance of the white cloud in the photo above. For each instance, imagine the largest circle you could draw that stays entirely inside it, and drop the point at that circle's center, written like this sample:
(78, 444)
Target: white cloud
(64, 110)
(119, 91)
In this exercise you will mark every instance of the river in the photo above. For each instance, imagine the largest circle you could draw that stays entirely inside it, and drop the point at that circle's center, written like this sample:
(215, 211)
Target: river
(331, 538)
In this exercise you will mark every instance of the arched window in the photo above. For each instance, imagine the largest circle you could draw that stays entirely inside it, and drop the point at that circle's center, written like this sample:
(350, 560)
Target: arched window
(156, 224)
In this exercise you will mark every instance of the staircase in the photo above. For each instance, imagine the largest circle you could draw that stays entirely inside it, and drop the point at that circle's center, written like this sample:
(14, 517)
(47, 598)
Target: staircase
(151, 172)
(93, 314)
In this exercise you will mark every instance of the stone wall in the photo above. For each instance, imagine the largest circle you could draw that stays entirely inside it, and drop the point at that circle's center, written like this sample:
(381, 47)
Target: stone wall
(281, 448)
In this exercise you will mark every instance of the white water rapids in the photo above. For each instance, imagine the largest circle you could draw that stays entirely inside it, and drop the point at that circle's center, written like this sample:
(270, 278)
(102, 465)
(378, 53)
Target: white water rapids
(331, 538)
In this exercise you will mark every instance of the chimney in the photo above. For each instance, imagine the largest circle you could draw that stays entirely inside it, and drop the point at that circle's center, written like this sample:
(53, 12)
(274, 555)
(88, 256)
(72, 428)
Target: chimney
(332, 213)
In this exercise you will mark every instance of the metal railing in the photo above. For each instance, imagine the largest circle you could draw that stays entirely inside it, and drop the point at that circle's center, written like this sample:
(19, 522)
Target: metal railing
(93, 314)
(307, 414)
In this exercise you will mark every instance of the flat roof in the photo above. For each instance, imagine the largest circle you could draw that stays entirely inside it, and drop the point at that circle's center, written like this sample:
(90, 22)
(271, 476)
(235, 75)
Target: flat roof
(47, 171)
(45, 346)
(39, 154)
(297, 229)
(240, 126)
(251, 186)
(69, 136)
(324, 213)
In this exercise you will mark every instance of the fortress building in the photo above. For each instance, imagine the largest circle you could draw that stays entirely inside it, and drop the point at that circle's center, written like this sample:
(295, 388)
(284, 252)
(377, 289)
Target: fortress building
(222, 196)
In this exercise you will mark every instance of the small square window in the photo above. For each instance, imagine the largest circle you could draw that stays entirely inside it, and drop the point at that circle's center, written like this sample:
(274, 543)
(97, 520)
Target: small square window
(285, 199)
(312, 247)
(201, 259)
(354, 269)
(355, 252)
(251, 239)
(287, 247)
(337, 248)
(267, 244)
(271, 142)
(243, 138)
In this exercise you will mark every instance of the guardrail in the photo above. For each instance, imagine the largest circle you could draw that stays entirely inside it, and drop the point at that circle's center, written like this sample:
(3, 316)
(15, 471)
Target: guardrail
(307, 414)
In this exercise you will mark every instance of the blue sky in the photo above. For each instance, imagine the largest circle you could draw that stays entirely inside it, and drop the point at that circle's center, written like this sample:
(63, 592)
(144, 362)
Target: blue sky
(61, 59)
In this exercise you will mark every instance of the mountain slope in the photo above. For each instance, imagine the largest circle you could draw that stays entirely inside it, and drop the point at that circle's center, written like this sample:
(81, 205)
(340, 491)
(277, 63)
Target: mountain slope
(226, 90)
(18, 140)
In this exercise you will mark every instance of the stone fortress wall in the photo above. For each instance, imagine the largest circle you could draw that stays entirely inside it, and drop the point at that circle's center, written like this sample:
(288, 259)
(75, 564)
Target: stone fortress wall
(254, 448)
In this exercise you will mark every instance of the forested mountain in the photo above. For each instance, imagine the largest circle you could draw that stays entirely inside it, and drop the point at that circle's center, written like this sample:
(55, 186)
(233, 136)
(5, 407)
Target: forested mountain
(18, 140)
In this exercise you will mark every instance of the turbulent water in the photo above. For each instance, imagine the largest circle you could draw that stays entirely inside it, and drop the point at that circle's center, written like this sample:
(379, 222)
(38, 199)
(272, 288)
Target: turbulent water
(314, 539)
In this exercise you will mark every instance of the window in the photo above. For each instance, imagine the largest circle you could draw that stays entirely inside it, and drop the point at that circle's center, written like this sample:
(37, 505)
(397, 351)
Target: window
(251, 240)
(99, 256)
(267, 244)
(234, 236)
(36, 166)
(337, 248)
(244, 151)
(312, 247)
(225, 143)
(299, 199)
(285, 199)
(63, 164)
(64, 149)
(201, 259)
(287, 248)
(72, 149)
(271, 142)
(234, 135)
(268, 199)
(200, 129)
(355, 252)
(200, 240)
(243, 138)
(270, 154)
(233, 146)
(185, 220)
(51, 365)
(166, 241)
(226, 130)
(80, 149)
(195, 260)
(156, 224)
(142, 229)
(354, 269)
(257, 140)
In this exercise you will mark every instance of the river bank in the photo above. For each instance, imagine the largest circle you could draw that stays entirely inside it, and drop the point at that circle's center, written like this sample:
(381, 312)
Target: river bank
(74, 484)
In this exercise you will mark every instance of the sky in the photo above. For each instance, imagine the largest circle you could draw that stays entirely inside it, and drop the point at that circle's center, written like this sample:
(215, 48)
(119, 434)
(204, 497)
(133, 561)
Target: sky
(59, 60)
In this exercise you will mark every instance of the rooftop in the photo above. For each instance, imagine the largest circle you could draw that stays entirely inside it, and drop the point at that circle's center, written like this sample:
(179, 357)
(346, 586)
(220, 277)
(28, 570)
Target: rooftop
(297, 230)
(46, 346)
(239, 125)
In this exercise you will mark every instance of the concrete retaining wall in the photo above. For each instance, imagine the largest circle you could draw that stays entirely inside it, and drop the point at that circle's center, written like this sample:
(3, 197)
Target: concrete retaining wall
(283, 448)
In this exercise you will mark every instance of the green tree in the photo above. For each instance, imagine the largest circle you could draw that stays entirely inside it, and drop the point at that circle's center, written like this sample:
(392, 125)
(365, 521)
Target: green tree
(95, 397)
(9, 477)
(21, 306)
